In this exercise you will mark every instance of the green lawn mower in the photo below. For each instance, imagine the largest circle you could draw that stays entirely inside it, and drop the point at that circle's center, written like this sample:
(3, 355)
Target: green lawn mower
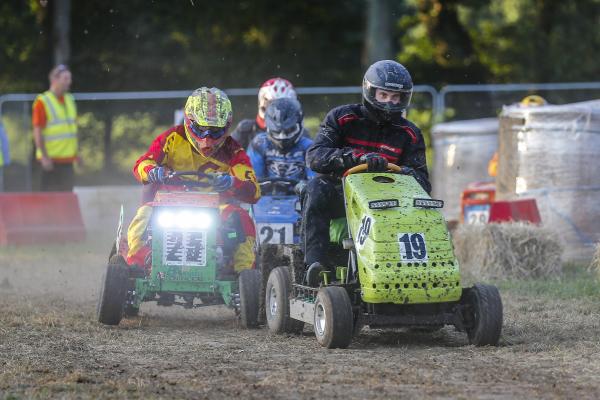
(400, 270)
(191, 260)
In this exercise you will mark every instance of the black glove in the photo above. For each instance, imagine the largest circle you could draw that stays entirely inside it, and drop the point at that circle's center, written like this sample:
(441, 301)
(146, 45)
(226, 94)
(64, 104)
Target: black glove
(375, 162)
(346, 160)
(300, 188)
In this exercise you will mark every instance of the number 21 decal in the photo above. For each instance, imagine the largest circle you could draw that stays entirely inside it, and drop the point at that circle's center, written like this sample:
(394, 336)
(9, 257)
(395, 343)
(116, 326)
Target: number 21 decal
(412, 246)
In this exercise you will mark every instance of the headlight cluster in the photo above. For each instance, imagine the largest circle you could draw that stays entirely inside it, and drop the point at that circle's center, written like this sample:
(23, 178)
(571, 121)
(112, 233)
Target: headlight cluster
(184, 219)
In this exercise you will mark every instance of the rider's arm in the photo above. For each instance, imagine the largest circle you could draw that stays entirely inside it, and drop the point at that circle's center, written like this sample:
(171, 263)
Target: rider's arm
(256, 158)
(245, 186)
(327, 153)
(151, 158)
(305, 143)
(414, 157)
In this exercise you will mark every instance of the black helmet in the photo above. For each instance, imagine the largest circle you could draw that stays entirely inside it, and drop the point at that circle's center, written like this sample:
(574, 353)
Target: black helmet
(283, 119)
(391, 77)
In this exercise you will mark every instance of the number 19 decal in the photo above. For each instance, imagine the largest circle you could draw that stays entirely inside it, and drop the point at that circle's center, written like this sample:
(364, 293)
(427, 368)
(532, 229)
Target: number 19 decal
(412, 246)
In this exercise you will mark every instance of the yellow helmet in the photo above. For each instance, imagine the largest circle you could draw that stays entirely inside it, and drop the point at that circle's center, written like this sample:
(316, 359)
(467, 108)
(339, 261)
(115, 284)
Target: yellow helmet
(533, 100)
(207, 116)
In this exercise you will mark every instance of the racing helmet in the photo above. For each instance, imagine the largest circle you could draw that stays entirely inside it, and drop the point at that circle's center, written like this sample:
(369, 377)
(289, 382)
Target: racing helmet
(274, 88)
(207, 116)
(389, 76)
(533, 100)
(283, 120)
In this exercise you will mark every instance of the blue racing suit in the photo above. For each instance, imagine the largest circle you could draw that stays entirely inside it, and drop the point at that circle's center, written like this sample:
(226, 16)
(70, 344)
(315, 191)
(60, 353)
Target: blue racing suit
(269, 161)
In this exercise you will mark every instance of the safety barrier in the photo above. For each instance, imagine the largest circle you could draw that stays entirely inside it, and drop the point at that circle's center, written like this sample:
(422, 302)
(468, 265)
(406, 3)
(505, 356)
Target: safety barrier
(37, 218)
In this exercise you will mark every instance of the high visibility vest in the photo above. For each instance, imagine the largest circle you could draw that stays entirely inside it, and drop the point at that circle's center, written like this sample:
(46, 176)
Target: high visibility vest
(60, 133)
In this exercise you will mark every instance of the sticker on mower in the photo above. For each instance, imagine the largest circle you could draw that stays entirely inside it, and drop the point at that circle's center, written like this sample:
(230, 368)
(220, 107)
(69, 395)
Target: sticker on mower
(412, 246)
(184, 248)
(363, 231)
(275, 233)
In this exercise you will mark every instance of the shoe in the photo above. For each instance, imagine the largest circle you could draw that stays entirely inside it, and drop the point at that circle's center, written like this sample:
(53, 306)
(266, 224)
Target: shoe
(313, 274)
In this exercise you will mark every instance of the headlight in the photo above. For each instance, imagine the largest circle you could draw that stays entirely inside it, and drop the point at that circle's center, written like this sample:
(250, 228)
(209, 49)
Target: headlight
(184, 219)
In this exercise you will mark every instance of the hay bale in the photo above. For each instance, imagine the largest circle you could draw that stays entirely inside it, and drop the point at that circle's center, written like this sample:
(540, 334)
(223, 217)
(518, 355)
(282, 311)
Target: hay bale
(595, 265)
(511, 250)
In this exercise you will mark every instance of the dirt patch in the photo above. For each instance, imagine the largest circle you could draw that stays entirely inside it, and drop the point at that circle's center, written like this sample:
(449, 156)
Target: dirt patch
(51, 346)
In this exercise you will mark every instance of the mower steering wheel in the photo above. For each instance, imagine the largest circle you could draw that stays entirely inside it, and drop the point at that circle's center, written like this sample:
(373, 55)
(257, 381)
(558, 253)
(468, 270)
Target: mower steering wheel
(170, 179)
(364, 167)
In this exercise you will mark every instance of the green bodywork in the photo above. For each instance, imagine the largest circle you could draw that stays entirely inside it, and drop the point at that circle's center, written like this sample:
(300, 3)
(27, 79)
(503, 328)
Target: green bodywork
(386, 274)
(196, 280)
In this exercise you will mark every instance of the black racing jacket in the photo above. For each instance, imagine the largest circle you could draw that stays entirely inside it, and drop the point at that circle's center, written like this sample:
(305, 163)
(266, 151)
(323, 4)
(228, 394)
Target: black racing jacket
(349, 128)
(245, 132)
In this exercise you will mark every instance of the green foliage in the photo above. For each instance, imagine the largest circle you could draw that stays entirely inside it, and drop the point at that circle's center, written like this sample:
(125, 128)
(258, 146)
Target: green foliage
(501, 40)
(131, 136)
(91, 147)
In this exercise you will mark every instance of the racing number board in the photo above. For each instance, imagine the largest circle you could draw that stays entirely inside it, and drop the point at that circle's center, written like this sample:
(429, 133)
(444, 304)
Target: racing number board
(275, 233)
(412, 247)
(184, 248)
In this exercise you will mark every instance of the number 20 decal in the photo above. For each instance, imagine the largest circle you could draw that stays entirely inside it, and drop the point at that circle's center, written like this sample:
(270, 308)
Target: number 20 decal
(412, 246)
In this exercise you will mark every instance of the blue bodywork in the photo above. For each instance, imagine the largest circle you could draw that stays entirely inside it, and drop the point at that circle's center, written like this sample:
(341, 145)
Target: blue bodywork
(274, 213)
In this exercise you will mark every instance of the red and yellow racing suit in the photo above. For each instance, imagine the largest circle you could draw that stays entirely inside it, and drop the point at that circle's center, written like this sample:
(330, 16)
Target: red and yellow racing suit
(171, 149)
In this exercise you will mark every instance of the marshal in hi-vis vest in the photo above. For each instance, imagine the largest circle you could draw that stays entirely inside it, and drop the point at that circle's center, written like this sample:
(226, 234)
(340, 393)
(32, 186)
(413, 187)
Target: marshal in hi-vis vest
(60, 133)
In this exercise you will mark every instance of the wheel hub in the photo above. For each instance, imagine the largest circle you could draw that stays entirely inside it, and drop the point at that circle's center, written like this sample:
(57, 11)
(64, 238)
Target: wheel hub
(273, 301)
(320, 320)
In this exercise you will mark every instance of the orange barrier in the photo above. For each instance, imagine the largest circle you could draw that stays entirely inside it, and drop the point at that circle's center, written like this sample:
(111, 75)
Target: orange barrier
(36, 218)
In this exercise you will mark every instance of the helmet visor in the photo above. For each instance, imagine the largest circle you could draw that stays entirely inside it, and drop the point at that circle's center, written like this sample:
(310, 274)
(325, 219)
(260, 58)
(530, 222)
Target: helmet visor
(281, 134)
(387, 99)
(202, 132)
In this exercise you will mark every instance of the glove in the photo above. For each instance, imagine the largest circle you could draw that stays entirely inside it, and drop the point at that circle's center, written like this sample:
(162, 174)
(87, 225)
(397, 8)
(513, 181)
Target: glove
(222, 182)
(375, 162)
(157, 175)
(300, 188)
(345, 160)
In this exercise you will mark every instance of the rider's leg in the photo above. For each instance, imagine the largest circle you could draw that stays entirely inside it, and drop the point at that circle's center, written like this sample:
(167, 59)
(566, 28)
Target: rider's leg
(323, 202)
(136, 237)
(243, 255)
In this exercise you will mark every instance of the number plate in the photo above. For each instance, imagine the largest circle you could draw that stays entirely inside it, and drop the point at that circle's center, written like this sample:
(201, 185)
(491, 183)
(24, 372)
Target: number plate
(276, 233)
(477, 214)
(412, 247)
(184, 248)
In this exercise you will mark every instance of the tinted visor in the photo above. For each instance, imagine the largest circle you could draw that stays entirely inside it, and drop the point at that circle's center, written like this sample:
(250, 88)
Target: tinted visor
(202, 132)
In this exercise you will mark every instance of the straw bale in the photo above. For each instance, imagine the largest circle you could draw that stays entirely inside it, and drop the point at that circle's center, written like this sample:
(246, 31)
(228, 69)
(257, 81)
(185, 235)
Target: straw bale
(595, 265)
(509, 250)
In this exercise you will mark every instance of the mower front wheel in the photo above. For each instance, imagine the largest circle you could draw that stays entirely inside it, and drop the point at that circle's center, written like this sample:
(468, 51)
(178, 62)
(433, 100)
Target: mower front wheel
(249, 285)
(333, 319)
(277, 303)
(113, 292)
(483, 315)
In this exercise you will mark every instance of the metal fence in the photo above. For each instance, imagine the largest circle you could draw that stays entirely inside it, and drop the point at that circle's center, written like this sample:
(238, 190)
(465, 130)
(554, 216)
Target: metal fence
(116, 127)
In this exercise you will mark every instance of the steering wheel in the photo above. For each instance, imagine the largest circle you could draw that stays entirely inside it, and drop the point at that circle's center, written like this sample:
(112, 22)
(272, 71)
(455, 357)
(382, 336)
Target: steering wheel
(277, 181)
(363, 167)
(172, 181)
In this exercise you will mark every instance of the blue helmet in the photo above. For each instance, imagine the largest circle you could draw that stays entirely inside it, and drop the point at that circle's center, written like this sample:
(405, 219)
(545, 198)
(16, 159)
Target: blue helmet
(283, 120)
(391, 77)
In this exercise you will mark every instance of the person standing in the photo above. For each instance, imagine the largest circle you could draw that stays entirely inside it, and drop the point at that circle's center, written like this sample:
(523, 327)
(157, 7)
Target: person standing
(4, 154)
(55, 132)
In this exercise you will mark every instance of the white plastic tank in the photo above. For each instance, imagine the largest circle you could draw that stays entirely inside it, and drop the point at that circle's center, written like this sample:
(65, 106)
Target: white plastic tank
(552, 153)
(462, 151)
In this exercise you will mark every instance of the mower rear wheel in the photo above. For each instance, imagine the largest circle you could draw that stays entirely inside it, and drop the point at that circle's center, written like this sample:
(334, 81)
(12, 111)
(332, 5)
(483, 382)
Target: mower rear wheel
(277, 303)
(249, 284)
(484, 313)
(333, 320)
(113, 292)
